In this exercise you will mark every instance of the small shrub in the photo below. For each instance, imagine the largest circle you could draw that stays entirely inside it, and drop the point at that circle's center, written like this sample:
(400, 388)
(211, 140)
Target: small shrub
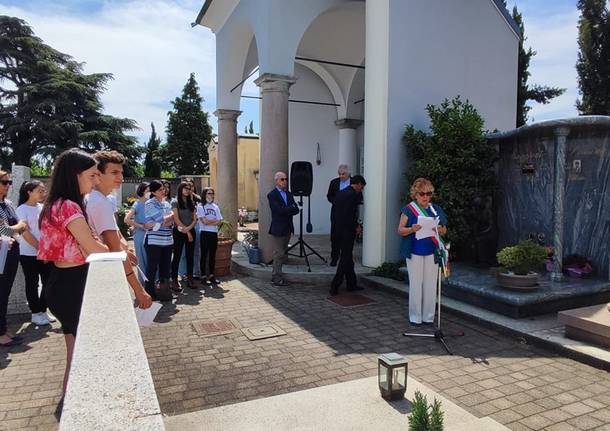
(390, 270)
(425, 417)
(459, 161)
(523, 258)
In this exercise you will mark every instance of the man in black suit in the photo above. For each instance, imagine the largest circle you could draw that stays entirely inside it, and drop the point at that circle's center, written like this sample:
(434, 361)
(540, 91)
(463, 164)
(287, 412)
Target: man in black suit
(336, 185)
(283, 208)
(347, 227)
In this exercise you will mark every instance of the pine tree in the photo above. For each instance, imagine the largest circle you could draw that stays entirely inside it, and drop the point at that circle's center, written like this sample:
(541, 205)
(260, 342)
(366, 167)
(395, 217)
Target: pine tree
(251, 128)
(152, 162)
(593, 64)
(188, 133)
(538, 93)
(49, 104)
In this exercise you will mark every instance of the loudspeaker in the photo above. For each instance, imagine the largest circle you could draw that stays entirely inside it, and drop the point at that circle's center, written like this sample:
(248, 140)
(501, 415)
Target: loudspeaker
(301, 178)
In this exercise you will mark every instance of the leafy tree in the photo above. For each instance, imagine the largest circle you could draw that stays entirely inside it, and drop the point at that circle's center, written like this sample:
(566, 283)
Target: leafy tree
(152, 161)
(458, 160)
(188, 133)
(526, 92)
(593, 64)
(47, 103)
(251, 128)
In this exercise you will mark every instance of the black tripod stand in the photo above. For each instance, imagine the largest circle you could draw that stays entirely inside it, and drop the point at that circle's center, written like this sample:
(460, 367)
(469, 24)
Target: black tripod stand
(438, 334)
(301, 242)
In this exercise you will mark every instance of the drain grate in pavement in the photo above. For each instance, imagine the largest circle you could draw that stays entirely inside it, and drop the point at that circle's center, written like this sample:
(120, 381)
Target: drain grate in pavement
(263, 331)
(211, 328)
(351, 300)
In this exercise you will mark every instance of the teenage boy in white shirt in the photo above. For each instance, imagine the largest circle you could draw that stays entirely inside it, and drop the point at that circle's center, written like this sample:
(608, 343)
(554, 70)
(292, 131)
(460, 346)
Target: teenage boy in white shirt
(100, 215)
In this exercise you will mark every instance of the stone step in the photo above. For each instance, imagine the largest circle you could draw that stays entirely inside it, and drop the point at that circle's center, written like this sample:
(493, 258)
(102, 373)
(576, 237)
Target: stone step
(354, 406)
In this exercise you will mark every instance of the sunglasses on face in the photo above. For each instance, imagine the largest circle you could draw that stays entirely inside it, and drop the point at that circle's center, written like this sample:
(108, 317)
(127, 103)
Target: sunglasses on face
(283, 179)
(210, 194)
(429, 194)
(6, 182)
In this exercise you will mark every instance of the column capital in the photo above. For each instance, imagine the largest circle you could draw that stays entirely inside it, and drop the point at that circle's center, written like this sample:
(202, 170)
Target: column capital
(561, 131)
(227, 114)
(348, 123)
(271, 82)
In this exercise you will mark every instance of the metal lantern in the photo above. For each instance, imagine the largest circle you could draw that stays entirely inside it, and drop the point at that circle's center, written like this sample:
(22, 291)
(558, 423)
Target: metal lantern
(392, 376)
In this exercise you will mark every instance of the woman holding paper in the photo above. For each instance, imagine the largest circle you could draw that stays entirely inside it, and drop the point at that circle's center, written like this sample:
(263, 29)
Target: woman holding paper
(66, 240)
(420, 250)
(159, 240)
(9, 227)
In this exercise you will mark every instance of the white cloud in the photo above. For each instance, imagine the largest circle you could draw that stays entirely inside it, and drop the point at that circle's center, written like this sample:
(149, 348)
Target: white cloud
(149, 47)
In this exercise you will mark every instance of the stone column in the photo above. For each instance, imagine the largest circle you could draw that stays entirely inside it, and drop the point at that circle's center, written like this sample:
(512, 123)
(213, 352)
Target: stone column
(561, 134)
(275, 90)
(348, 149)
(17, 302)
(226, 180)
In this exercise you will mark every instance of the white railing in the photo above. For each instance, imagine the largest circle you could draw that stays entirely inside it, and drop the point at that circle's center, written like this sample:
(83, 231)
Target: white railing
(110, 386)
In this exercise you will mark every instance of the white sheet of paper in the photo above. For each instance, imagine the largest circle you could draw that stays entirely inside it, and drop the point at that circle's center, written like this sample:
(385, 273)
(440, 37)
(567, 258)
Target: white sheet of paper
(146, 317)
(427, 227)
(104, 257)
(4, 242)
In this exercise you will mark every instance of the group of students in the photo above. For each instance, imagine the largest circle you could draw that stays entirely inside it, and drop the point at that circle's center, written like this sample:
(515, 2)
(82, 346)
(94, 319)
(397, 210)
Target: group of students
(52, 234)
(165, 227)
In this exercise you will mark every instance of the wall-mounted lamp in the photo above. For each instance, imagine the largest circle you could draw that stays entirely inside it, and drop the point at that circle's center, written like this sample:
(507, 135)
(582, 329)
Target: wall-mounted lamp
(318, 156)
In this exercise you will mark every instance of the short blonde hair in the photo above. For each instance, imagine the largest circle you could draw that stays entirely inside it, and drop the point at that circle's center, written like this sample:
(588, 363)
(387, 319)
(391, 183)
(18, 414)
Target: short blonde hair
(420, 184)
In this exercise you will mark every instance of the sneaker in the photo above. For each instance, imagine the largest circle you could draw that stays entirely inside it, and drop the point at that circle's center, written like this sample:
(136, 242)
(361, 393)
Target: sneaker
(40, 319)
(207, 281)
(49, 317)
(214, 280)
(280, 282)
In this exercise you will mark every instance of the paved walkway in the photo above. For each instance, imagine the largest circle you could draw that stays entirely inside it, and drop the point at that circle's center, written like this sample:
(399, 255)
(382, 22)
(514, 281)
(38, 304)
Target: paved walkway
(518, 385)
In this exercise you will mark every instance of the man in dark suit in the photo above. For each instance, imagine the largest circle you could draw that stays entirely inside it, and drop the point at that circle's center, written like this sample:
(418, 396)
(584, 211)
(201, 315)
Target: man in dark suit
(335, 186)
(283, 208)
(347, 227)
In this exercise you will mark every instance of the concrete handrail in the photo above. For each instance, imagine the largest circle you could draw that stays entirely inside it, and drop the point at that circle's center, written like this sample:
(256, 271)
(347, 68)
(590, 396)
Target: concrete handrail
(110, 386)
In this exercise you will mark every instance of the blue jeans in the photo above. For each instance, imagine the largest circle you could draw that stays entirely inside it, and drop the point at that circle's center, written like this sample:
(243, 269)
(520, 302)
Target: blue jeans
(138, 242)
(196, 257)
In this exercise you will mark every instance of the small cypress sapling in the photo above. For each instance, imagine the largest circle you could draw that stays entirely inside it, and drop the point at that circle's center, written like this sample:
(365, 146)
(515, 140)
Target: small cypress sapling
(436, 417)
(418, 419)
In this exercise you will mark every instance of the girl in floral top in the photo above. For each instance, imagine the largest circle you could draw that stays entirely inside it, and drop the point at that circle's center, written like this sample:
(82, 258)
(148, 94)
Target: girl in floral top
(66, 239)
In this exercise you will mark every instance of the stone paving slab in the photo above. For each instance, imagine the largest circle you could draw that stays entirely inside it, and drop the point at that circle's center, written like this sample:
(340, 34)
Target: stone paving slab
(492, 374)
(349, 406)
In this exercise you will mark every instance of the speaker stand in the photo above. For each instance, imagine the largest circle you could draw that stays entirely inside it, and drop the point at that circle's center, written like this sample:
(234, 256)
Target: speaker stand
(303, 246)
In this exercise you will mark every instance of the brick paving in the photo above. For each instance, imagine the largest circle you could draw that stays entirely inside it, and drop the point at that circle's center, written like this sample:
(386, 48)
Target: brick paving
(491, 374)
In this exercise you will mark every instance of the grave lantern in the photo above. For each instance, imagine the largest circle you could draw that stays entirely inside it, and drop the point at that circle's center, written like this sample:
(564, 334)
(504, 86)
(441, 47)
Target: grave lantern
(392, 376)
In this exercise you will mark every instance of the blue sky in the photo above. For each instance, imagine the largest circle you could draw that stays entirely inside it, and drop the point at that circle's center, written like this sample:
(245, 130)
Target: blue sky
(151, 48)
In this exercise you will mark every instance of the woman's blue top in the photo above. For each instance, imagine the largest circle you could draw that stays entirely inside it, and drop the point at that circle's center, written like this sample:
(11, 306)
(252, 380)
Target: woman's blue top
(420, 247)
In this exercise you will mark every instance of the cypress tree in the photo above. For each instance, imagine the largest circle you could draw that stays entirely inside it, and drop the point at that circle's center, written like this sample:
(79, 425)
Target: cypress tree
(152, 162)
(593, 64)
(188, 133)
(538, 93)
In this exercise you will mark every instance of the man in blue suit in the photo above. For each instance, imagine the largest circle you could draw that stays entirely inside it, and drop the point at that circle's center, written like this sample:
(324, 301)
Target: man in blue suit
(283, 208)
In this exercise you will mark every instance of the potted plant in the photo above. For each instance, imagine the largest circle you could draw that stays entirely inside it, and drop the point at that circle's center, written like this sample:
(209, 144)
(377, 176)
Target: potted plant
(250, 243)
(226, 238)
(519, 265)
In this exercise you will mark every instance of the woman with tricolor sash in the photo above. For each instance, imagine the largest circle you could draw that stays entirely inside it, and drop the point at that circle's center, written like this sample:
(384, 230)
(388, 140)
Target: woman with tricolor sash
(422, 255)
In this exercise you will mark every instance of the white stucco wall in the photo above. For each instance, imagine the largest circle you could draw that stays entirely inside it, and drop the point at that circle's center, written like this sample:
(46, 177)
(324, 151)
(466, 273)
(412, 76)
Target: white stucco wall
(309, 125)
(441, 49)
